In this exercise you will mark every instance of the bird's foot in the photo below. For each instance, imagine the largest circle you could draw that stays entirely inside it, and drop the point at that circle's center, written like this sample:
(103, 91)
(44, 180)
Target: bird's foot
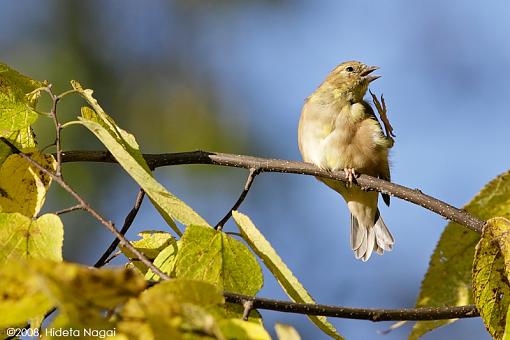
(350, 175)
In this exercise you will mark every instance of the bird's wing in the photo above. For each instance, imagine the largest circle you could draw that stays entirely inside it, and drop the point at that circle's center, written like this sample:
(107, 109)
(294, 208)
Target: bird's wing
(384, 169)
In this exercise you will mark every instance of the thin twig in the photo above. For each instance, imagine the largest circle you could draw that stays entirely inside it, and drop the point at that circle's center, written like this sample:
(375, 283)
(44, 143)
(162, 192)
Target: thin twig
(67, 210)
(423, 313)
(108, 224)
(242, 196)
(128, 221)
(274, 165)
(108, 260)
(58, 127)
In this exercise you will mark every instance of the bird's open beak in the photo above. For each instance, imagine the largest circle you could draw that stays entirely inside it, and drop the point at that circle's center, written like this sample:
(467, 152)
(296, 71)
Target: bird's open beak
(366, 74)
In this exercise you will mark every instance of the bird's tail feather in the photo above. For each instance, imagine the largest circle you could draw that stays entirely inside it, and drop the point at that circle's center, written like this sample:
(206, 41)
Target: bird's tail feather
(366, 239)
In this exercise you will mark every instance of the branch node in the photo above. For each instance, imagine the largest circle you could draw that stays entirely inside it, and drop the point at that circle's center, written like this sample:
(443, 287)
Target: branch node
(248, 306)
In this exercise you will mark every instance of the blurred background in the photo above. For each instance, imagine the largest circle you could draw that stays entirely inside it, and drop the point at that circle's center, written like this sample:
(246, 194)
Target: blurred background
(231, 76)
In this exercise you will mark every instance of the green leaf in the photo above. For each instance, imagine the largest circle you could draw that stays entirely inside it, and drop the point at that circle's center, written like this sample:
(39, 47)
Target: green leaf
(286, 332)
(23, 139)
(165, 261)
(239, 329)
(213, 256)
(20, 296)
(151, 244)
(506, 334)
(448, 279)
(279, 269)
(24, 238)
(23, 187)
(124, 148)
(17, 110)
(491, 273)
(236, 311)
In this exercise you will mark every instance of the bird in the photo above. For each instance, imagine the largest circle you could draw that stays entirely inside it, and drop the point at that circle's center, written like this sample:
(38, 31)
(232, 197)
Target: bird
(338, 130)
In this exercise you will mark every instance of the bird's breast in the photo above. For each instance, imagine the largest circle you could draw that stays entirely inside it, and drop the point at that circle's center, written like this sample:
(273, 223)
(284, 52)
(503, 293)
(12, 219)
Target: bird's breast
(342, 137)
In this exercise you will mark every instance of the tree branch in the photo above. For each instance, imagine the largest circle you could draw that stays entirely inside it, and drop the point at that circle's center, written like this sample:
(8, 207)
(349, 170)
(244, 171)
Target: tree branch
(274, 165)
(127, 224)
(242, 196)
(70, 209)
(424, 313)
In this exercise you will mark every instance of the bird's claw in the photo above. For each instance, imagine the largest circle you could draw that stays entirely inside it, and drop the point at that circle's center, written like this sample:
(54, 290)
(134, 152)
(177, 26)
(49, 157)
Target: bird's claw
(350, 175)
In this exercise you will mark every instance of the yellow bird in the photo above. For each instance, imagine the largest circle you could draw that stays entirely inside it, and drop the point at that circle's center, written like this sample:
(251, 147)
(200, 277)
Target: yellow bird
(338, 130)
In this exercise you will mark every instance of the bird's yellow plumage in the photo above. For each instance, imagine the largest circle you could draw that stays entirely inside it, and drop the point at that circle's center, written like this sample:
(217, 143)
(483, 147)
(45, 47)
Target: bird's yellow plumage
(338, 130)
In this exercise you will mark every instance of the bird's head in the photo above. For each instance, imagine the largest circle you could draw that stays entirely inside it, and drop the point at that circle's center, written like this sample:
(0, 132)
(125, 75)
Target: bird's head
(351, 79)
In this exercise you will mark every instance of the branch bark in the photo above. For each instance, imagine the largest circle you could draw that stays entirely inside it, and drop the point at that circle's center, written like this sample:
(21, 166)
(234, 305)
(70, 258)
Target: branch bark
(275, 165)
(411, 314)
(128, 221)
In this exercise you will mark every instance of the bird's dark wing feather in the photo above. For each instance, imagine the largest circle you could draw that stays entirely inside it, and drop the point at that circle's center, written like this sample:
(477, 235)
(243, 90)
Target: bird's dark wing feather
(385, 171)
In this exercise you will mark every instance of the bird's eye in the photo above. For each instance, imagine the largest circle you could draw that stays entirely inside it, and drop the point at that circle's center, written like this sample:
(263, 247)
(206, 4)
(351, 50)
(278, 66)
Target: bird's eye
(349, 68)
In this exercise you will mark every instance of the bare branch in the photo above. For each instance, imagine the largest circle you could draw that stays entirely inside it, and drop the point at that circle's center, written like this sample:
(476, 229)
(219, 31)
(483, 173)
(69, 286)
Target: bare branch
(70, 209)
(127, 224)
(237, 204)
(58, 127)
(424, 313)
(274, 165)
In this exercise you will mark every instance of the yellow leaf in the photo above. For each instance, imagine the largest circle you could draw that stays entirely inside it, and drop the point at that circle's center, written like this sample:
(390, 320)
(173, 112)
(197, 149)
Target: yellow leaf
(83, 294)
(17, 110)
(20, 296)
(152, 243)
(24, 238)
(23, 187)
(491, 273)
(23, 139)
(286, 332)
(240, 329)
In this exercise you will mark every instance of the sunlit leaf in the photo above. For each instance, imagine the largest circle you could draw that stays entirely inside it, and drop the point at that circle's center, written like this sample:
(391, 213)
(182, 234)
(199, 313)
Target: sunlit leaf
(236, 311)
(171, 309)
(83, 294)
(20, 296)
(151, 244)
(491, 273)
(165, 261)
(213, 256)
(286, 332)
(448, 279)
(24, 238)
(279, 269)
(239, 329)
(23, 139)
(124, 148)
(17, 110)
(23, 187)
